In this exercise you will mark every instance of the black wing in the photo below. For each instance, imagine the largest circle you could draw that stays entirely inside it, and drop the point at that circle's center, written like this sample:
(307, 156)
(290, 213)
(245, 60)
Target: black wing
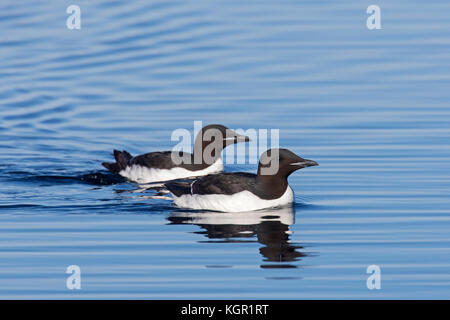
(179, 188)
(225, 183)
(158, 160)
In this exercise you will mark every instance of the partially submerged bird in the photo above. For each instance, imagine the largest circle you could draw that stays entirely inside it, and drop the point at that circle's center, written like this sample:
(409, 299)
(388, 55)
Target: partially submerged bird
(160, 166)
(241, 191)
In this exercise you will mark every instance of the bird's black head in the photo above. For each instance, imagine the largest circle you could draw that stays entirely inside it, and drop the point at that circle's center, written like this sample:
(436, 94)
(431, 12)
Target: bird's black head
(282, 162)
(213, 138)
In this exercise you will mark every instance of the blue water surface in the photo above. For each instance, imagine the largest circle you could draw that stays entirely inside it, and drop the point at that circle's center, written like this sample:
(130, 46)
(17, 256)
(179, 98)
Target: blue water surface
(371, 106)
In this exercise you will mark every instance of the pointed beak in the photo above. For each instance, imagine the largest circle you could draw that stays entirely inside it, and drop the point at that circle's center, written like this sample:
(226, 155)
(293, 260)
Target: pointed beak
(304, 163)
(238, 138)
(242, 138)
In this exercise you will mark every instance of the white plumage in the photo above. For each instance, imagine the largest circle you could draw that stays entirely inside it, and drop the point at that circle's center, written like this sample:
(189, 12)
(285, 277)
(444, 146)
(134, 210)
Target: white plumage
(238, 202)
(141, 174)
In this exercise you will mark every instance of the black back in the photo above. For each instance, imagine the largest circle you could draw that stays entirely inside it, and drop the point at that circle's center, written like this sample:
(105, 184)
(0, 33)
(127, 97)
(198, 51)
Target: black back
(266, 187)
(211, 137)
(223, 183)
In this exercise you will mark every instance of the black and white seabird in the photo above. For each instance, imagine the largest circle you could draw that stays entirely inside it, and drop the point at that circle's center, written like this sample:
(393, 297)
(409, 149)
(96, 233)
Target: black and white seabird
(159, 166)
(241, 191)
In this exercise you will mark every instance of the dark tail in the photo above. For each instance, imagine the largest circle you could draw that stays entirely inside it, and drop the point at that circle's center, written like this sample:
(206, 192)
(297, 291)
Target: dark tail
(122, 159)
(178, 188)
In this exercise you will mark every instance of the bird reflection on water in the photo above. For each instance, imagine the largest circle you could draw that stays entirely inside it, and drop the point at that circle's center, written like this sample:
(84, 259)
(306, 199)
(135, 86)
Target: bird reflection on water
(270, 226)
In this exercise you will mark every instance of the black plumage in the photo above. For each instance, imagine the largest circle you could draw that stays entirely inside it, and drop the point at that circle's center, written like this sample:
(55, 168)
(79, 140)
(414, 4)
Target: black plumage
(164, 159)
(264, 186)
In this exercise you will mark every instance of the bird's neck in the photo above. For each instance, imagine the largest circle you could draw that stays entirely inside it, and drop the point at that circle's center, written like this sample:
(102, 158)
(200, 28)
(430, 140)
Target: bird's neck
(273, 184)
(206, 152)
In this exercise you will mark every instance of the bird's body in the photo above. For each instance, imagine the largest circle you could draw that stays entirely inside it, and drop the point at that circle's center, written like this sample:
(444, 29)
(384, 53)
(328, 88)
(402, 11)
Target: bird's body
(240, 191)
(170, 165)
(163, 169)
(237, 202)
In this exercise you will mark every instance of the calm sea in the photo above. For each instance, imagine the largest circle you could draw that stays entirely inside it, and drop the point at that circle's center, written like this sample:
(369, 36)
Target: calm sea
(371, 106)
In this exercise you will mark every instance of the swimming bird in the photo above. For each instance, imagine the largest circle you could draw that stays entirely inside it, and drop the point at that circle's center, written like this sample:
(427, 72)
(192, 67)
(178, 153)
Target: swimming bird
(170, 165)
(241, 191)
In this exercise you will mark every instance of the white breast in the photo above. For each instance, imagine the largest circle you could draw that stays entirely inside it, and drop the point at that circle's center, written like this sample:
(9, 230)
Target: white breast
(141, 174)
(238, 202)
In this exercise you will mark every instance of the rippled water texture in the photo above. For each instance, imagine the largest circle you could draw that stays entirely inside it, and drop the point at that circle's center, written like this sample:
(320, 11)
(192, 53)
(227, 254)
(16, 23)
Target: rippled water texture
(371, 106)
